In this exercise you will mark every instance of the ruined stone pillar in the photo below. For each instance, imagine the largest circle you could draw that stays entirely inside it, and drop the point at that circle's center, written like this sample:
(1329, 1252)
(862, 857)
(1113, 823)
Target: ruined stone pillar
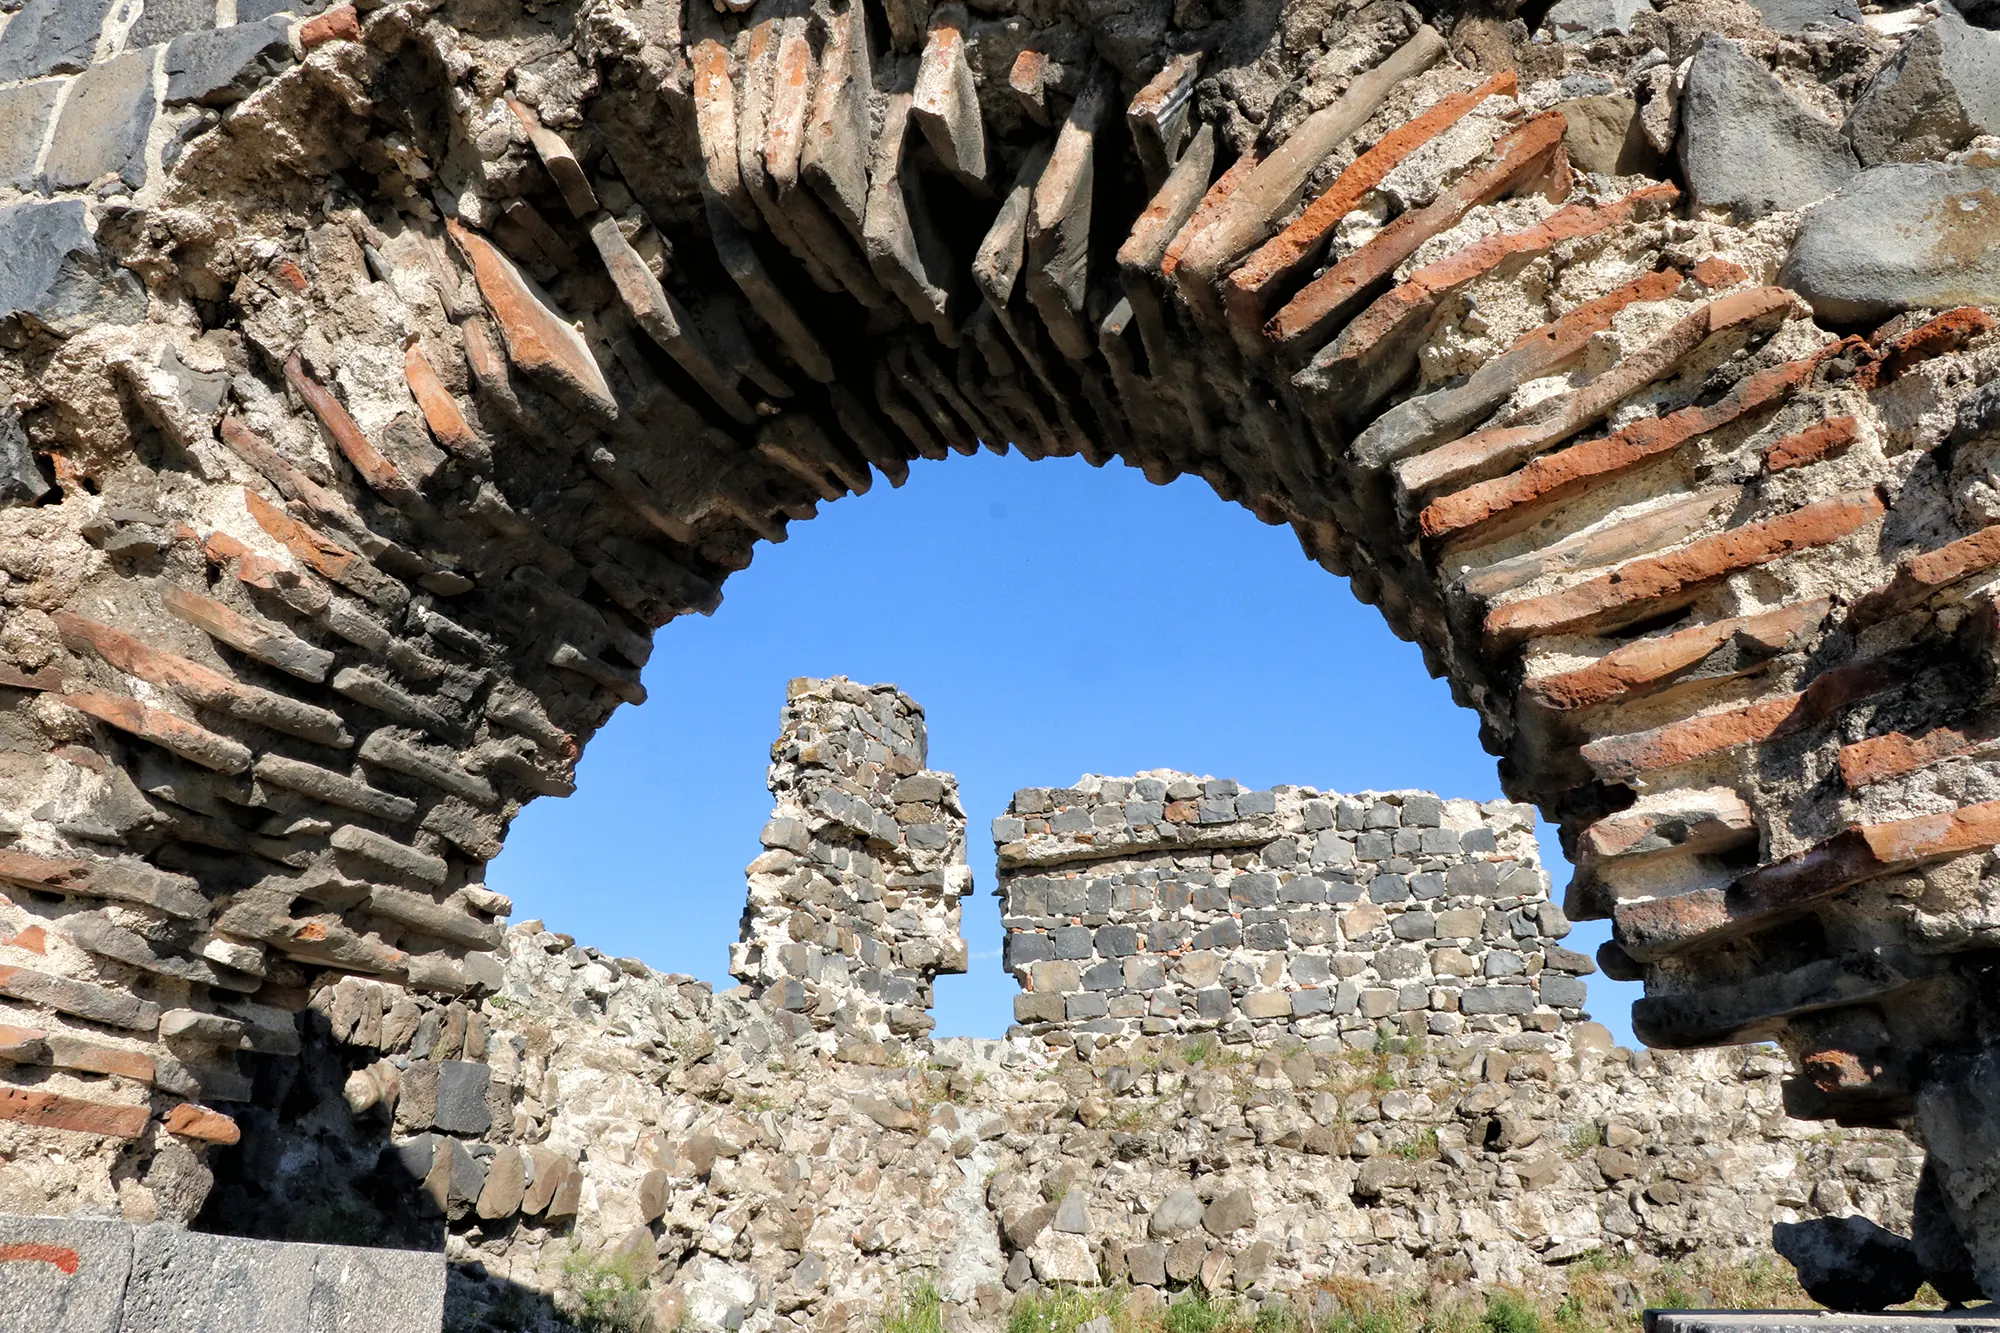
(854, 903)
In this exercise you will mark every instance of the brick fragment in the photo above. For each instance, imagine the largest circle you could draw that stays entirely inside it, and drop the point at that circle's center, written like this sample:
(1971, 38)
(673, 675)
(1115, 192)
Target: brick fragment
(1936, 337)
(1490, 509)
(339, 24)
(166, 730)
(1681, 822)
(1641, 534)
(1255, 284)
(52, 1110)
(381, 475)
(201, 684)
(1158, 115)
(293, 484)
(271, 644)
(1880, 758)
(1621, 758)
(1716, 272)
(1487, 452)
(94, 1057)
(1656, 584)
(327, 557)
(1213, 201)
(23, 1046)
(1816, 443)
(1059, 216)
(558, 160)
(442, 413)
(1647, 665)
(945, 103)
(1655, 928)
(540, 340)
(121, 880)
(1919, 577)
(34, 939)
(1026, 79)
(198, 1122)
(1519, 158)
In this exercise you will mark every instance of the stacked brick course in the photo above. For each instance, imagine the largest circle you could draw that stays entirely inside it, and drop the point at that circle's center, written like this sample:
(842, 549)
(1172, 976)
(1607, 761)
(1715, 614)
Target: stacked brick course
(1168, 903)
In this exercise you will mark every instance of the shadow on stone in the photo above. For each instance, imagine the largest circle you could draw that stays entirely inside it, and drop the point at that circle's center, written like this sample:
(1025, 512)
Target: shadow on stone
(1850, 1263)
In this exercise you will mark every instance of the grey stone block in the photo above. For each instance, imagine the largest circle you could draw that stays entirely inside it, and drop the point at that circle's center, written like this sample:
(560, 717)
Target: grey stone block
(1579, 19)
(73, 1282)
(102, 129)
(1257, 803)
(1564, 992)
(1117, 941)
(52, 270)
(1747, 144)
(1940, 92)
(1023, 947)
(1316, 1000)
(21, 481)
(1799, 15)
(462, 1088)
(164, 20)
(1087, 1004)
(24, 123)
(1389, 889)
(1074, 942)
(51, 37)
(1514, 1000)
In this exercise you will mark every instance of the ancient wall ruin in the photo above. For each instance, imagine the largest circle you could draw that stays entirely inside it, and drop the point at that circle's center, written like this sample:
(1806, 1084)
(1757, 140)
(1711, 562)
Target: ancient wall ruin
(1170, 904)
(377, 384)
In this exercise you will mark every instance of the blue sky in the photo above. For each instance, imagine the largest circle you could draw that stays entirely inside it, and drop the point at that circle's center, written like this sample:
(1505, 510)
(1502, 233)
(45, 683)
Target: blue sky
(1054, 620)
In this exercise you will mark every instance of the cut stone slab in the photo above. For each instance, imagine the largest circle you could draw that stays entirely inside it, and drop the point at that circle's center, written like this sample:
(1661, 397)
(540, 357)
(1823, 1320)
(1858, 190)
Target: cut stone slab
(52, 270)
(102, 129)
(164, 20)
(1934, 98)
(1799, 15)
(1899, 237)
(187, 1282)
(25, 113)
(225, 65)
(1747, 144)
(1572, 19)
(63, 1275)
(51, 37)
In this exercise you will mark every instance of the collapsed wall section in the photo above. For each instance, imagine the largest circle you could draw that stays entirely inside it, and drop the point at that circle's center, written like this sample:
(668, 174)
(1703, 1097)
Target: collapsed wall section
(1168, 903)
(854, 903)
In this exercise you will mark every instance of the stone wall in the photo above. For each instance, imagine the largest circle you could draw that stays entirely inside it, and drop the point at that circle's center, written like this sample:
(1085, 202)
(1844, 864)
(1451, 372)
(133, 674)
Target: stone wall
(1168, 903)
(854, 905)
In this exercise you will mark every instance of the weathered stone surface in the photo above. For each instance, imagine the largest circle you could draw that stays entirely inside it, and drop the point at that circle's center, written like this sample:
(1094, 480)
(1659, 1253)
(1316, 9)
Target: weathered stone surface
(1898, 237)
(54, 272)
(26, 112)
(1941, 91)
(1804, 15)
(1747, 144)
(64, 1275)
(218, 66)
(1594, 18)
(1850, 1263)
(101, 130)
(50, 36)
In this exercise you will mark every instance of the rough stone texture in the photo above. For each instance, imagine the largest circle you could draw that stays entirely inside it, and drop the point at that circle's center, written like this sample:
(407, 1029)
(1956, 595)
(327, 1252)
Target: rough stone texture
(487, 580)
(50, 36)
(1747, 143)
(222, 65)
(1942, 91)
(1899, 236)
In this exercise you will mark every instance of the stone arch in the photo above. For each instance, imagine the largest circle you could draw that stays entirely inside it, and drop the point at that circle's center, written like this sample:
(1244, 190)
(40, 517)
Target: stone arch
(386, 383)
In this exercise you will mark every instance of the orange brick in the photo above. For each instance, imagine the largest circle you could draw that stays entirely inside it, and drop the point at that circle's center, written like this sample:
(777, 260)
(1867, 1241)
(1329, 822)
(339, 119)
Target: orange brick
(1312, 315)
(1655, 584)
(1891, 756)
(539, 339)
(441, 411)
(23, 1046)
(347, 435)
(198, 1122)
(322, 555)
(1823, 440)
(34, 939)
(1619, 758)
(341, 24)
(1715, 271)
(1205, 212)
(1640, 668)
(52, 1110)
(1947, 333)
(1259, 279)
(170, 732)
(1918, 577)
(1493, 508)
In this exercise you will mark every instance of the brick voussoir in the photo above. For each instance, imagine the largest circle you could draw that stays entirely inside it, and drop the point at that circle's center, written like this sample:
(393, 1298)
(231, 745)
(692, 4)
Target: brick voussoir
(1415, 297)
(1816, 443)
(1311, 316)
(51, 1110)
(1251, 288)
(1649, 664)
(1919, 577)
(538, 340)
(347, 436)
(166, 730)
(1655, 928)
(324, 556)
(1897, 753)
(1619, 758)
(1655, 583)
(1493, 508)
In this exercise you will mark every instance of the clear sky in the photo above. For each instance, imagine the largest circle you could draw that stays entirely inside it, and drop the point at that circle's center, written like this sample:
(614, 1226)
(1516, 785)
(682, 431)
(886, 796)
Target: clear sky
(1053, 620)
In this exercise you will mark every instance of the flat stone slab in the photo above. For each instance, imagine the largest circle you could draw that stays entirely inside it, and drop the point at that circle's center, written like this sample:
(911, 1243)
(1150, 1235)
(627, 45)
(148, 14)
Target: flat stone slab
(62, 1275)
(1820, 1321)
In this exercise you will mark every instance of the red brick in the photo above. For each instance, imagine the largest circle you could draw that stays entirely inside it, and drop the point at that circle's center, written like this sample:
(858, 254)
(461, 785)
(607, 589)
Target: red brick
(1918, 577)
(1620, 758)
(1947, 333)
(329, 505)
(1206, 211)
(1025, 77)
(52, 1110)
(1312, 316)
(1656, 584)
(1487, 452)
(540, 339)
(340, 24)
(347, 435)
(1642, 667)
(96, 1058)
(23, 1046)
(1715, 271)
(1253, 286)
(1826, 439)
(1657, 927)
(1493, 508)
(1891, 756)
(187, 739)
(323, 555)
(441, 411)
(34, 939)
(13, 678)
(198, 1122)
